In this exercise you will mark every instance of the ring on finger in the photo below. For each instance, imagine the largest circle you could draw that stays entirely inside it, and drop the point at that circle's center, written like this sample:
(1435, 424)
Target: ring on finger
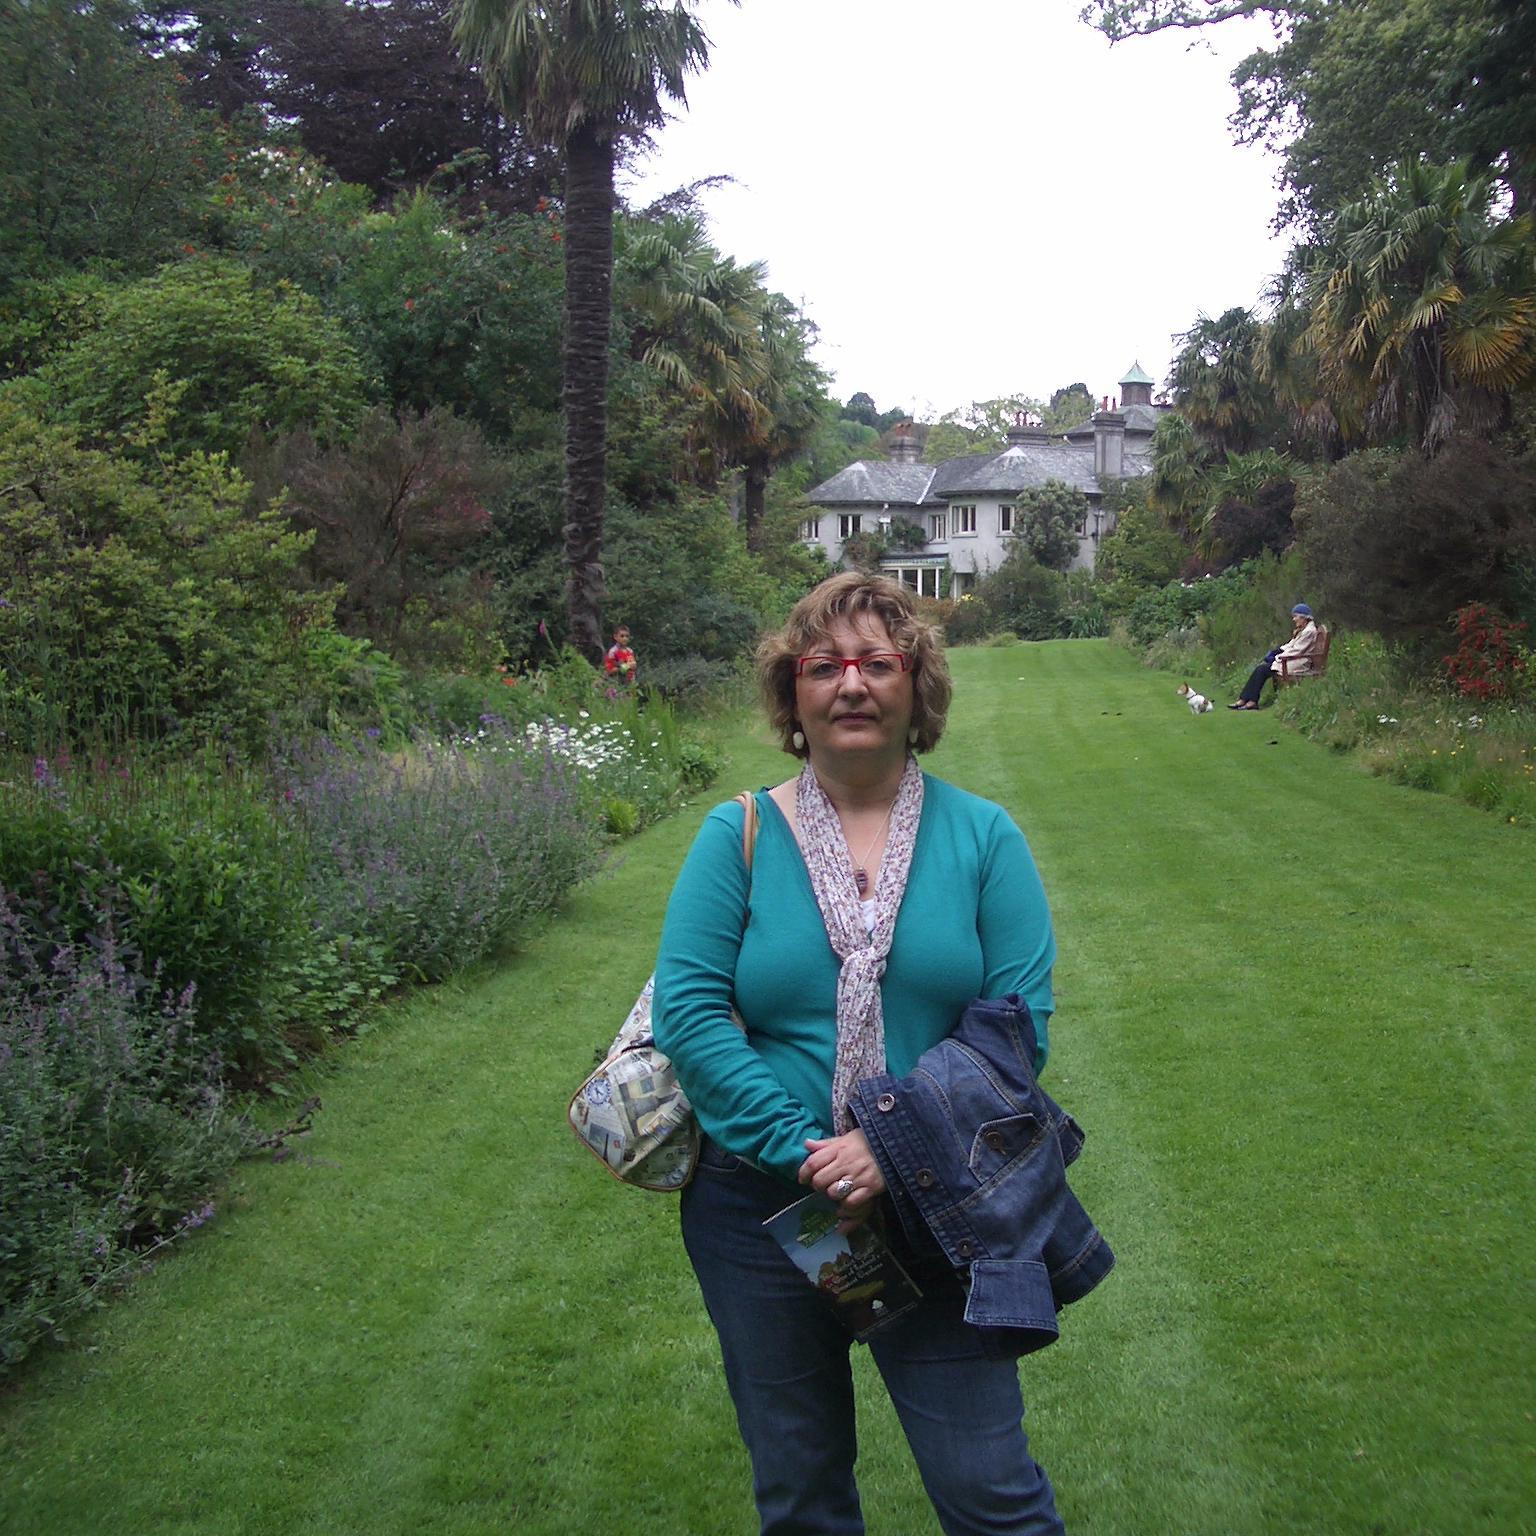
(842, 1189)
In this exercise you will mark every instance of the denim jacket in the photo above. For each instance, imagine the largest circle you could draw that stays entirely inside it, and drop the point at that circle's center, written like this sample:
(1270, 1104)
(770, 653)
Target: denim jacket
(975, 1157)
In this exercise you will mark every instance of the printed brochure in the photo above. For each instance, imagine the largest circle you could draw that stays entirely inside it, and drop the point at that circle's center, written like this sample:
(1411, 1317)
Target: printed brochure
(855, 1270)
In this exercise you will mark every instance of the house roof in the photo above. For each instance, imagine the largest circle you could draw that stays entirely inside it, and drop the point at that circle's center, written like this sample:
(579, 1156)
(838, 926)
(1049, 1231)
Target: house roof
(1025, 465)
(1015, 469)
(1138, 418)
(872, 482)
(1136, 376)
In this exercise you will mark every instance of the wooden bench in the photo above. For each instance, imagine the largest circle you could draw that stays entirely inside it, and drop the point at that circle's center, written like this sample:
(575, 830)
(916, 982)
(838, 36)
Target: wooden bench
(1318, 658)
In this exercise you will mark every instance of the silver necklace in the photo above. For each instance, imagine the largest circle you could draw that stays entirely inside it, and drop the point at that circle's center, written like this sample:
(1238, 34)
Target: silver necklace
(860, 874)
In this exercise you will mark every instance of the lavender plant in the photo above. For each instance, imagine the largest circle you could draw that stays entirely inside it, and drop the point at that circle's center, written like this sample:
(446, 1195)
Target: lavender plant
(428, 859)
(113, 1125)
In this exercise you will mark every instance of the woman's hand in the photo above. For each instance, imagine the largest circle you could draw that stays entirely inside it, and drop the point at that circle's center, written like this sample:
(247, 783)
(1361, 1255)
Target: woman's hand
(844, 1157)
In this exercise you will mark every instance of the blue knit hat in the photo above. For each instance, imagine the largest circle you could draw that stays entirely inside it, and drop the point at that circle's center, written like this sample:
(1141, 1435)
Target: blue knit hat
(1303, 610)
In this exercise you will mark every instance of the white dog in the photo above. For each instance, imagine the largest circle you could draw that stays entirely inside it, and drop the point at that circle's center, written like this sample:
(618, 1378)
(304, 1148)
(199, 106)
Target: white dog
(1198, 703)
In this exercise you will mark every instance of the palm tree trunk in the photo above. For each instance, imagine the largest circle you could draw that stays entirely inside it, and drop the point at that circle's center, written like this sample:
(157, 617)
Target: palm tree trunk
(588, 310)
(753, 499)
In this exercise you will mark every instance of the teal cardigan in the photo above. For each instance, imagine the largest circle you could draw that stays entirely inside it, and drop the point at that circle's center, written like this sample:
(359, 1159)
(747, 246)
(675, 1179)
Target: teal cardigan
(973, 923)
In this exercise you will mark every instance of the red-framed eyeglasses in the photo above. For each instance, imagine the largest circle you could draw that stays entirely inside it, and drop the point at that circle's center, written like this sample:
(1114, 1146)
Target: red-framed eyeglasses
(877, 667)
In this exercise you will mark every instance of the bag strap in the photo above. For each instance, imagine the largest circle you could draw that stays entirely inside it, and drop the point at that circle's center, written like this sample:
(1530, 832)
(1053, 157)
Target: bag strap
(748, 803)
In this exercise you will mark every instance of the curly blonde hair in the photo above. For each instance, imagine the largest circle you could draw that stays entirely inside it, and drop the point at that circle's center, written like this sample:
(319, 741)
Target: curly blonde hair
(852, 596)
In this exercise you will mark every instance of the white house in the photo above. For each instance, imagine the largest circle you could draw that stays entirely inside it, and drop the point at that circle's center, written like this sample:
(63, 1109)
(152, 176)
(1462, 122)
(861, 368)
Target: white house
(964, 508)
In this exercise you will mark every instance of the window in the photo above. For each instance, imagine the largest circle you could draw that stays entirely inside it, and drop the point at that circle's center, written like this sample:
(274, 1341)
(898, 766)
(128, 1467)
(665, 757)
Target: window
(961, 583)
(811, 528)
(848, 524)
(935, 525)
(1005, 519)
(965, 518)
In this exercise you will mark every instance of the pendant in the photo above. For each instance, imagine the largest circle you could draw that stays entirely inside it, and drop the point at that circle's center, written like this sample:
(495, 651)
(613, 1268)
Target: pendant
(861, 881)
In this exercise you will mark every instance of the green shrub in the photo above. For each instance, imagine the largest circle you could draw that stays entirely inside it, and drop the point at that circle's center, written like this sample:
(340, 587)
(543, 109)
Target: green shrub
(691, 682)
(203, 885)
(698, 763)
(1027, 597)
(1175, 650)
(234, 359)
(1249, 614)
(971, 621)
(449, 702)
(148, 599)
(1396, 544)
(621, 817)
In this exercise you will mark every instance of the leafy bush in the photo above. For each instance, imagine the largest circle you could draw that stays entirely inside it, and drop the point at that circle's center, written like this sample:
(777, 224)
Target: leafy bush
(1026, 596)
(1489, 661)
(1142, 552)
(113, 1123)
(1046, 522)
(231, 358)
(142, 597)
(201, 883)
(1395, 543)
(1243, 528)
(1248, 611)
(393, 514)
(691, 682)
(970, 621)
(348, 683)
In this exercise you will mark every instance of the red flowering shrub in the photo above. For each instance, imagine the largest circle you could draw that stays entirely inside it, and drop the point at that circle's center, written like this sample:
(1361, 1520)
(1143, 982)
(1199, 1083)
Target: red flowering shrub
(1488, 660)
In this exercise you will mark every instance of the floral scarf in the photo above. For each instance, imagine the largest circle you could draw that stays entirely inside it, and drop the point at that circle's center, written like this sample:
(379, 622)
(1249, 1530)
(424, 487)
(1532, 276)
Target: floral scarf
(860, 1020)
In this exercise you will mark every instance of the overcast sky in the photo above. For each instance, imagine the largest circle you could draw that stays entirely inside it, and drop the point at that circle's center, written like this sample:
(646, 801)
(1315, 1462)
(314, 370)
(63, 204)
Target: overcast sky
(975, 198)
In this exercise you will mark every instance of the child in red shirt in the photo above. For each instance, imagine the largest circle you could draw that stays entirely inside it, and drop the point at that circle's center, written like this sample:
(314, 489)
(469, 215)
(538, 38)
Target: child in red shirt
(619, 659)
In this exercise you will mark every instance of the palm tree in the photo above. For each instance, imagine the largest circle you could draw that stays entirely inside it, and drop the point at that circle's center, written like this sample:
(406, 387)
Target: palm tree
(695, 321)
(583, 75)
(1424, 319)
(1216, 385)
(791, 397)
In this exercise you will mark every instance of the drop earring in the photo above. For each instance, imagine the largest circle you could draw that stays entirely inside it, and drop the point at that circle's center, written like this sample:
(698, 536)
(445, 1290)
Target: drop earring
(912, 736)
(798, 741)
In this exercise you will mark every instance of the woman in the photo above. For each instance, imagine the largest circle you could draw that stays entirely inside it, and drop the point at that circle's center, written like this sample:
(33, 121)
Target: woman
(880, 901)
(1298, 651)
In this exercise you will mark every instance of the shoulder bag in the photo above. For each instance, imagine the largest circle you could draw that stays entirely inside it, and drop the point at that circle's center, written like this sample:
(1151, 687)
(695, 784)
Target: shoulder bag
(632, 1112)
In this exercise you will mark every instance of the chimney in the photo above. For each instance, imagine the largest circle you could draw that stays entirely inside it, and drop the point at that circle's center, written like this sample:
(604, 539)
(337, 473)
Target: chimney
(903, 445)
(1027, 430)
(1108, 445)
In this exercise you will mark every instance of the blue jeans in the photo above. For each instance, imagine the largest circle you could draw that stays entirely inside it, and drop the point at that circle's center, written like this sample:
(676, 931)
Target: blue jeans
(787, 1366)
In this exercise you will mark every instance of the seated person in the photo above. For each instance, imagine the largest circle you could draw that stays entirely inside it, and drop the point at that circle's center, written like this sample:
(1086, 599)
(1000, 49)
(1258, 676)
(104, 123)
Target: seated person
(1299, 652)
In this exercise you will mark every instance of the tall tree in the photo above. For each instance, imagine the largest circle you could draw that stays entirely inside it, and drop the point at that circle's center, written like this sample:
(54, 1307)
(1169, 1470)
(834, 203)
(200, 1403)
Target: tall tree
(1216, 384)
(791, 395)
(1350, 86)
(584, 75)
(99, 160)
(377, 90)
(1424, 318)
(694, 319)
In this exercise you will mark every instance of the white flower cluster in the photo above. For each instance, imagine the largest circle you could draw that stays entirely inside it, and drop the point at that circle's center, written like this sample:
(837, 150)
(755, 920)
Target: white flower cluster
(590, 746)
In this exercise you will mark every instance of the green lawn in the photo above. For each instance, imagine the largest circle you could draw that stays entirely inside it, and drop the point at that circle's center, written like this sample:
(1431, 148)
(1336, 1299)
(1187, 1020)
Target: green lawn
(1295, 1015)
